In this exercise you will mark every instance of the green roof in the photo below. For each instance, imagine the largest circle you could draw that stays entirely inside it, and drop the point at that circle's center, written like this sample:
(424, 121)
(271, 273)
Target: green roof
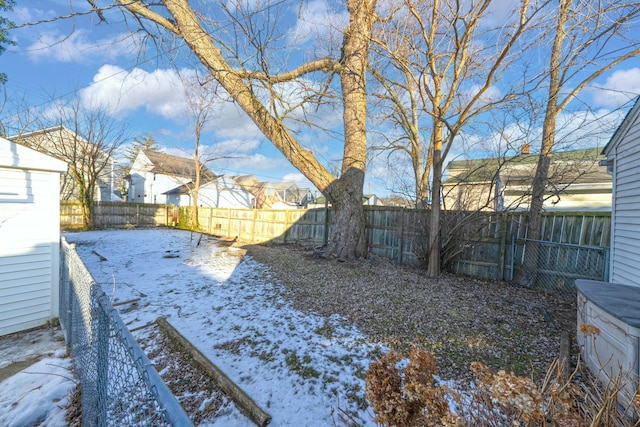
(479, 170)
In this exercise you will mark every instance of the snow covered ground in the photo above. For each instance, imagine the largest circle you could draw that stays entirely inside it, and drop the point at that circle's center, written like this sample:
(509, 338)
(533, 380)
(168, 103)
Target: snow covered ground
(38, 394)
(301, 368)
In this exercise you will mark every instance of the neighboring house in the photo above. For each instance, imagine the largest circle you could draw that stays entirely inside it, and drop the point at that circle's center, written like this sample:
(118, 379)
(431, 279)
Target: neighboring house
(29, 237)
(372, 200)
(398, 201)
(64, 144)
(275, 195)
(609, 312)
(220, 192)
(152, 175)
(577, 182)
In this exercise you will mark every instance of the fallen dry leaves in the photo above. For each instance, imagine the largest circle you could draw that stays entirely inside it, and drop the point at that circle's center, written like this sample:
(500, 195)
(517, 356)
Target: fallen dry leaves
(459, 319)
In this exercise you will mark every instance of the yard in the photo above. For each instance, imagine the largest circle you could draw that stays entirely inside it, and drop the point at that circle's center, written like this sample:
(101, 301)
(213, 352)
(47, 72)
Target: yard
(297, 332)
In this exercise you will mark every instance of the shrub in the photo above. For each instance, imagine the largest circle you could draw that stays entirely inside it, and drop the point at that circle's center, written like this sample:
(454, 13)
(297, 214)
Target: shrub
(411, 396)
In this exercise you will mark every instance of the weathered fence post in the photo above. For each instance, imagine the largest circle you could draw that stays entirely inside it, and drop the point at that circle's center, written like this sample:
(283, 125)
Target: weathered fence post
(503, 246)
(102, 362)
(325, 235)
(286, 226)
(401, 237)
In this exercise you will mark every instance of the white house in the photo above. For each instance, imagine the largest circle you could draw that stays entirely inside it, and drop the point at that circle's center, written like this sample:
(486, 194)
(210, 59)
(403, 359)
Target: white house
(29, 237)
(166, 179)
(614, 307)
(220, 192)
(82, 155)
(153, 174)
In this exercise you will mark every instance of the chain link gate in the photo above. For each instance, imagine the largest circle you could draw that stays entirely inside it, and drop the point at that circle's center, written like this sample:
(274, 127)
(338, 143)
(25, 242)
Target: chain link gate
(554, 267)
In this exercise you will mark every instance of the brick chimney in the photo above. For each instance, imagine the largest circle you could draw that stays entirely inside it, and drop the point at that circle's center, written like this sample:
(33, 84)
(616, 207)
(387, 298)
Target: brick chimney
(526, 149)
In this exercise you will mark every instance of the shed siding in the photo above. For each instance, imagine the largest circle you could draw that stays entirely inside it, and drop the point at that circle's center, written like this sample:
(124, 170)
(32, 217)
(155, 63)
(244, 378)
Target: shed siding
(29, 232)
(626, 208)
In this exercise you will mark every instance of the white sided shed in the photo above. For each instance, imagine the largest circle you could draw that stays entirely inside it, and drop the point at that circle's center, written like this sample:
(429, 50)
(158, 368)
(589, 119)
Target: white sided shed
(623, 157)
(29, 237)
(609, 312)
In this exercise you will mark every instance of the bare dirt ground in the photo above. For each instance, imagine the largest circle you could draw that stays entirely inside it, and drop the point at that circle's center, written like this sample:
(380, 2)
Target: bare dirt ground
(460, 319)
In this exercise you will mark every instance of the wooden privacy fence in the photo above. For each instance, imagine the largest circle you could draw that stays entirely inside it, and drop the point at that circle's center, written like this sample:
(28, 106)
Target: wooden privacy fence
(481, 244)
(300, 226)
(394, 233)
(118, 215)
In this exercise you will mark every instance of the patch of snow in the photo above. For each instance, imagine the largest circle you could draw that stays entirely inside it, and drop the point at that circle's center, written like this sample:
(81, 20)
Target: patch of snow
(27, 345)
(38, 395)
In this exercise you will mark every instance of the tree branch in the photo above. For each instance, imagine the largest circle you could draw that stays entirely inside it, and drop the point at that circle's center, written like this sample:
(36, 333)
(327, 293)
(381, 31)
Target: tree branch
(326, 65)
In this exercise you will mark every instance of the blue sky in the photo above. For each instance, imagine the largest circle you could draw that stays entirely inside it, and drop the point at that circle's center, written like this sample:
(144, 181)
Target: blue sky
(99, 62)
(94, 63)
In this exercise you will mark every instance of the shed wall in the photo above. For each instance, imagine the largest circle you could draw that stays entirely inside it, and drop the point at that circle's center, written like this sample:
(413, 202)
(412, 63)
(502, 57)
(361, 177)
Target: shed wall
(29, 239)
(625, 246)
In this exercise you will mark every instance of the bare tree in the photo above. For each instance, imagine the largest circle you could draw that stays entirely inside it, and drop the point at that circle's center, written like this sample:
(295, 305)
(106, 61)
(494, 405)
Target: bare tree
(439, 62)
(200, 95)
(87, 139)
(587, 39)
(245, 76)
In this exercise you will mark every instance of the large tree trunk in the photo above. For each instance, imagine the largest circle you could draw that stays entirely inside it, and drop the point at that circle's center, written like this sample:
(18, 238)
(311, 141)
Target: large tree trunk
(345, 193)
(433, 264)
(540, 179)
(347, 240)
(527, 273)
(348, 234)
(436, 144)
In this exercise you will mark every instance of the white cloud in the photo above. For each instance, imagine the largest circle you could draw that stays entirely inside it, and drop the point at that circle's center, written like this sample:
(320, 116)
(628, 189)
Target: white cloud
(584, 129)
(21, 14)
(574, 130)
(254, 162)
(499, 13)
(318, 21)
(300, 180)
(77, 47)
(231, 147)
(159, 92)
(620, 87)
(492, 94)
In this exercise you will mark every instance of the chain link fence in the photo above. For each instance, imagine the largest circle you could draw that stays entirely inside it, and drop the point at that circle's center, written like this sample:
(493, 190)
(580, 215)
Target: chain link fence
(120, 387)
(554, 267)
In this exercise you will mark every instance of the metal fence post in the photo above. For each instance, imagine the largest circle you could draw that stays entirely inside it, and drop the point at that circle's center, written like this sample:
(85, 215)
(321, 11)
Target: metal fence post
(102, 362)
